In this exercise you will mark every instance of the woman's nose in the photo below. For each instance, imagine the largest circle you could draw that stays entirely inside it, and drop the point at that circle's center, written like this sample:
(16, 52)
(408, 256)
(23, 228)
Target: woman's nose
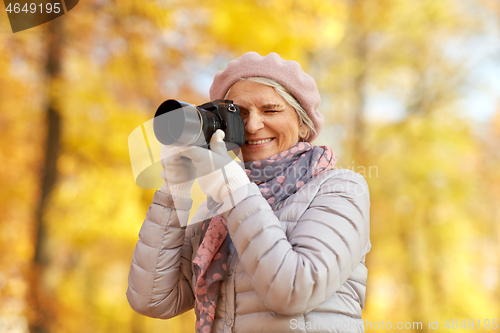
(253, 123)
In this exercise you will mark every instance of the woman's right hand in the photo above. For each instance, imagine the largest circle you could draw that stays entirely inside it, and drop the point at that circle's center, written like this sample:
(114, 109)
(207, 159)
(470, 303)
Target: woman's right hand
(178, 172)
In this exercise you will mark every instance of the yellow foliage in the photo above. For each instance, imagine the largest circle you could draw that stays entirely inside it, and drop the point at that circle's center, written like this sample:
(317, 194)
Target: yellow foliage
(434, 195)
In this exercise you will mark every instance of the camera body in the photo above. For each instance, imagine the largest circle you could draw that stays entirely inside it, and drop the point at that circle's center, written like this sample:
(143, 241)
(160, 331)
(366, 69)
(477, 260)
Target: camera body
(182, 124)
(229, 121)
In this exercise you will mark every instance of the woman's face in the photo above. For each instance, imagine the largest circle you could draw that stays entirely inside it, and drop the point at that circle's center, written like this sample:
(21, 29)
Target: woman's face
(271, 124)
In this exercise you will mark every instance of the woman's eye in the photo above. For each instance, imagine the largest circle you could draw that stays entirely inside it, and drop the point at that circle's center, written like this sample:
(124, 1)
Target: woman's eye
(271, 111)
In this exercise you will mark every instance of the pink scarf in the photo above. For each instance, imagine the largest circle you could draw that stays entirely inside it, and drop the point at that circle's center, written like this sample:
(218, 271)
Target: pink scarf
(278, 177)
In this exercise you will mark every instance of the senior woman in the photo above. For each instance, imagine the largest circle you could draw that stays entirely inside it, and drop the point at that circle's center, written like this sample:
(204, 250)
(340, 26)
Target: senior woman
(281, 246)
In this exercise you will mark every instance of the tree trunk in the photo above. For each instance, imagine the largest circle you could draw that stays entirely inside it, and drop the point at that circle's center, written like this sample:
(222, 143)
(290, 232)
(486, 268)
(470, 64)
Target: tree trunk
(41, 304)
(357, 28)
(359, 102)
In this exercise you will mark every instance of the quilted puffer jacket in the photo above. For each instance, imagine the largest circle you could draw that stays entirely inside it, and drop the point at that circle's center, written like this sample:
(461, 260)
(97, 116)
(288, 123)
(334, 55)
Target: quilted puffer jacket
(300, 268)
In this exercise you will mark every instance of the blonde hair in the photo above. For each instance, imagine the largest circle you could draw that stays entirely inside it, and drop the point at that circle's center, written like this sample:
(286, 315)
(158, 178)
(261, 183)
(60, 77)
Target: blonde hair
(301, 113)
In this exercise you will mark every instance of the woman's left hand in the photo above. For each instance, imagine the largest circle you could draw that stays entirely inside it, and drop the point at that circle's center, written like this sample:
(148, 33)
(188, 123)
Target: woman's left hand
(218, 174)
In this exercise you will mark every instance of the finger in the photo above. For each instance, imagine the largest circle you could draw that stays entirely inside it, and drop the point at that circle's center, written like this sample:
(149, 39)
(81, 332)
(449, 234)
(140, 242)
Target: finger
(184, 148)
(171, 150)
(168, 152)
(218, 136)
(177, 160)
(217, 145)
(171, 156)
(196, 153)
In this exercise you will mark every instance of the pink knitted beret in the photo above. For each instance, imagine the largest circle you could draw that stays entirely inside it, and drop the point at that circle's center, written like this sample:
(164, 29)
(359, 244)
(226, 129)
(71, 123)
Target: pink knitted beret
(287, 73)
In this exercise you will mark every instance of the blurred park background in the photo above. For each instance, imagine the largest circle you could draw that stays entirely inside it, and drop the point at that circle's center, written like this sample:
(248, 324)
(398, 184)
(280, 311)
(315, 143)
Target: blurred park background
(411, 96)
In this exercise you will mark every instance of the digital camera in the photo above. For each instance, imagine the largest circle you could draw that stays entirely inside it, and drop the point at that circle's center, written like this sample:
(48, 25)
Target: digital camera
(182, 124)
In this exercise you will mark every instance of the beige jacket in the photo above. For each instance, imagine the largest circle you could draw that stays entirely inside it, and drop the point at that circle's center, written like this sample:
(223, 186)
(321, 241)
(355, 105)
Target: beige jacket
(297, 269)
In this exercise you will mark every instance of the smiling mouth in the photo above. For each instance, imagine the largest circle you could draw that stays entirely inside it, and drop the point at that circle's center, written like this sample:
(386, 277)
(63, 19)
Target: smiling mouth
(258, 142)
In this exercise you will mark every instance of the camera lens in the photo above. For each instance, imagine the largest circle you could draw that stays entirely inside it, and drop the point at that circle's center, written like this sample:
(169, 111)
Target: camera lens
(178, 123)
(182, 124)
